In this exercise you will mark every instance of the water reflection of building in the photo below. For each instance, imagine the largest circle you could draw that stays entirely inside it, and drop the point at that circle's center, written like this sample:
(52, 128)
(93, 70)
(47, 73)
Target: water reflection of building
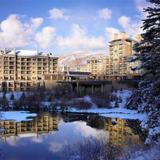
(41, 124)
(120, 134)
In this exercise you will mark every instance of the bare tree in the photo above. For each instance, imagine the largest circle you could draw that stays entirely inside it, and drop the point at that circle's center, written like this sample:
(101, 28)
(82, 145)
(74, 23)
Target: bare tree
(93, 149)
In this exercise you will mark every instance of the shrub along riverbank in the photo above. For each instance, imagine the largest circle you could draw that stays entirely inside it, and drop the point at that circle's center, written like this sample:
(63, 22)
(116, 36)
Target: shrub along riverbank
(60, 98)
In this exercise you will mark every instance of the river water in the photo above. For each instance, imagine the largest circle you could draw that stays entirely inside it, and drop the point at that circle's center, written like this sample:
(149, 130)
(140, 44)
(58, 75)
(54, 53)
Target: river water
(51, 136)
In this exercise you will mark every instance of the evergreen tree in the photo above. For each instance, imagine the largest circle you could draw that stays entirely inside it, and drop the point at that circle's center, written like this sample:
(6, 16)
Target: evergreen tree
(4, 101)
(22, 100)
(12, 96)
(147, 97)
(4, 96)
(23, 96)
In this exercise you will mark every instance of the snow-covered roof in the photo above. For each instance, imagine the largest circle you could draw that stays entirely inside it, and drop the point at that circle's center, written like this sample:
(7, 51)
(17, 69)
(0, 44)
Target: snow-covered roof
(27, 52)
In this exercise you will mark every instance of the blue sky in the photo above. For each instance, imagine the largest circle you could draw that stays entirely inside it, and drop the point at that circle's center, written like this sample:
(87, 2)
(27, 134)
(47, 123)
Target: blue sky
(64, 26)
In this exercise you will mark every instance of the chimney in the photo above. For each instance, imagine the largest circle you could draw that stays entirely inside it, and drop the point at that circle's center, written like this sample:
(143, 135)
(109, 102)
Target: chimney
(115, 36)
(123, 34)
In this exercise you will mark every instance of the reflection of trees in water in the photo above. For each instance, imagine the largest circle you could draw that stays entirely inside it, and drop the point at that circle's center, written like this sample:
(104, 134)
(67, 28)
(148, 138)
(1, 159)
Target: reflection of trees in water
(136, 129)
(121, 132)
(71, 117)
(92, 149)
(92, 120)
(96, 122)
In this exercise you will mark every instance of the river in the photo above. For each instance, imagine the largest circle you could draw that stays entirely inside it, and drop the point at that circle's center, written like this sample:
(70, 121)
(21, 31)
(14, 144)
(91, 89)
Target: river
(49, 136)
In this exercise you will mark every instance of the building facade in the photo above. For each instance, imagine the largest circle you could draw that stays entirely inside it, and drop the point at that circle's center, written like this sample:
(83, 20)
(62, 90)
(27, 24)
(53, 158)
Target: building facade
(98, 67)
(23, 70)
(83, 68)
(120, 49)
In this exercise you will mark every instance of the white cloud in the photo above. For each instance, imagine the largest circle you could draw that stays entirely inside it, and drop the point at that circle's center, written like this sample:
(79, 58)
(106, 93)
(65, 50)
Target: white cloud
(105, 13)
(45, 37)
(56, 13)
(79, 40)
(110, 32)
(124, 21)
(37, 21)
(55, 147)
(130, 26)
(11, 141)
(15, 33)
(87, 131)
(141, 5)
(38, 139)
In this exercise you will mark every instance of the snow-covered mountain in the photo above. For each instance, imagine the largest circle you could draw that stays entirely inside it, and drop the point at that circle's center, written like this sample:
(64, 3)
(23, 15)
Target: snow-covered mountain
(78, 58)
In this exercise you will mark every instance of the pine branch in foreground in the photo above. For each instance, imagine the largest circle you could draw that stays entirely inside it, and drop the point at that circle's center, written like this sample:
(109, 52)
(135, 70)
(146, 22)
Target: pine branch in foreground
(147, 97)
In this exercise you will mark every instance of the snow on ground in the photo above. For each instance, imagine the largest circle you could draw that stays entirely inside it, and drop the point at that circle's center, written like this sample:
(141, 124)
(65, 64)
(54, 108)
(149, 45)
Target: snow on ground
(135, 116)
(17, 115)
(119, 112)
(87, 99)
(152, 153)
(114, 112)
(122, 95)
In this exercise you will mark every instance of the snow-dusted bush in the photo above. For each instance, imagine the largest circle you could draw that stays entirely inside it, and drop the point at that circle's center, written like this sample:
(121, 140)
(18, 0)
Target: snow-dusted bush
(141, 153)
(92, 149)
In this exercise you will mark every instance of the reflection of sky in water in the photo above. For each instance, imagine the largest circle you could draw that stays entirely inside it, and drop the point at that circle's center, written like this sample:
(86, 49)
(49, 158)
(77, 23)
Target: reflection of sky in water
(48, 146)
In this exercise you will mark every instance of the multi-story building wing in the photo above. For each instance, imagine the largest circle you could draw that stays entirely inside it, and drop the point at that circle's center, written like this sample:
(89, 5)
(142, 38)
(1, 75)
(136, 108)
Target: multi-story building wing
(107, 67)
(98, 67)
(23, 70)
(82, 68)
(120, 49)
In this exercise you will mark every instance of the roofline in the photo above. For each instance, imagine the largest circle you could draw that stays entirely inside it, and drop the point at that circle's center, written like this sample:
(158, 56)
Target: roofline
(13, 52)
(127, 39)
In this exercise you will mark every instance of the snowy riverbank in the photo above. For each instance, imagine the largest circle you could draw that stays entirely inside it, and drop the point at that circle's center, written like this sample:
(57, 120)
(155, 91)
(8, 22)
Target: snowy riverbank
(116, 109)
(114, 112)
